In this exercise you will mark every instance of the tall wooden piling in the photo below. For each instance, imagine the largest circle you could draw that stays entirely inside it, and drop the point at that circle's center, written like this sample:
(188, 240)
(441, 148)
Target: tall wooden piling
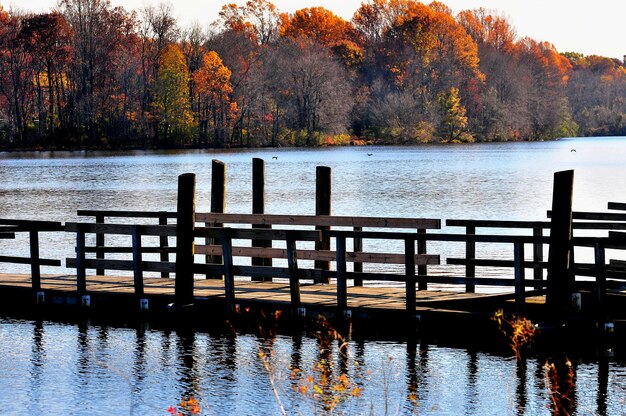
(258, 207)
(323, 207)
(185, 224)
(560, 276)
(218, 205)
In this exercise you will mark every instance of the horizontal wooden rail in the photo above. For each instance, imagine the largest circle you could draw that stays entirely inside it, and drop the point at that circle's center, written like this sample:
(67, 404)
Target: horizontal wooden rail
(497, 224)
(325, 255)
(493, 263)
(29, 260)
(383, 235)
(126, 214)
(596, 216)
(618, 206)
(122, 265)
(257, 233)
(319, 220)
(121, 229)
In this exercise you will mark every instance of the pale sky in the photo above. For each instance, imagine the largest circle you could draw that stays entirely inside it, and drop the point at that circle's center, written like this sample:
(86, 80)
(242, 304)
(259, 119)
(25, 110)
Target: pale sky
(589, 27)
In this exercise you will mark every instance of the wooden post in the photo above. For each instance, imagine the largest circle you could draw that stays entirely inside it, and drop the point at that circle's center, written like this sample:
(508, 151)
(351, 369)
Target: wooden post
(294, 277)
(600, 295)
(422, 270)
(342, 284)
(35, 267)
(538, 257)
(470, 256)
(100, 243)
(185, 224)
(409, 259)
(164, 243)
(137, 261)
(229, 273)
(520, 288)
(81, 272)
(560, 277)
(218, 206)
(357, 246)
(258, 207)
(323, 207)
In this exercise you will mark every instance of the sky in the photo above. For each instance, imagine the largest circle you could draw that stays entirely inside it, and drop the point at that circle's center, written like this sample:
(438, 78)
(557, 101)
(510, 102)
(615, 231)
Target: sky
(588, 27)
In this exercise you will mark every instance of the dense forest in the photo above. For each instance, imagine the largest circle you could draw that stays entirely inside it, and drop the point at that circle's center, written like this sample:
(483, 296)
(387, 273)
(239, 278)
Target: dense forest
(90, 75)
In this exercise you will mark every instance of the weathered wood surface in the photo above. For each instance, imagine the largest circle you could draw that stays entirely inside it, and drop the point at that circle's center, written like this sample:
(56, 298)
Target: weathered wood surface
(322, 220)
(278, 293)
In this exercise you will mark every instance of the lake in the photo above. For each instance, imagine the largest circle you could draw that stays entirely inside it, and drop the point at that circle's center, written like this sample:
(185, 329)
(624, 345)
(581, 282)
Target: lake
(53, 368)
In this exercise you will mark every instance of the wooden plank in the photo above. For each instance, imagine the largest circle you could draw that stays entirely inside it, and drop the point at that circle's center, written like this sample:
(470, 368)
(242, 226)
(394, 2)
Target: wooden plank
(137, 263)
(597, 216)
(479, 238)
(28, 260)
(497, 224)
(30, 225)
(122, 265)
(281, 253)
(128, 250)
(260, 234)
(618, 206)
(125, 214)
(323, 220)
(122, 229)
(342, 282)
(493, 263)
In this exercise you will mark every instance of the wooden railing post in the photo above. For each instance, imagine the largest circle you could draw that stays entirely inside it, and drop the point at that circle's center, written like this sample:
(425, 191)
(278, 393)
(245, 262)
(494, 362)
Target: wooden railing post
(342, 283)
(81, 272)
(185, 224)
(100, 244)
(422, 269)
(137, 261)
(600, 295)
(258, 207)
(409, 259)
(538, 257)
(560, 277)
(520, 288)
(164, 243)
(229, 273)
(35, 266)
(323, 207)
(218, 205)
(294, 277)
(357, 246)
(470, 256)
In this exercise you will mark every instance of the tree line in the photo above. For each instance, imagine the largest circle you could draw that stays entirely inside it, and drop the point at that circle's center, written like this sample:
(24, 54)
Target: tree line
(90, 75)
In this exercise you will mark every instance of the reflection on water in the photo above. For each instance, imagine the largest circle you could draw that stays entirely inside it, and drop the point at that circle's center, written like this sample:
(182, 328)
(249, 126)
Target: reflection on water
(50, 368)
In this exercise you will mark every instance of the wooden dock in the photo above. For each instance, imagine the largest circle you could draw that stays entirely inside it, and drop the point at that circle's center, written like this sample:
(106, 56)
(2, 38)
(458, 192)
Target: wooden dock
(194, 254)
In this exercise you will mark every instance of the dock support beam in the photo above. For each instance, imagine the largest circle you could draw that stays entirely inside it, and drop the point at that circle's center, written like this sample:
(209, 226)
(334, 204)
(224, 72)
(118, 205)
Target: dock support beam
(186, 213)
(323, 207)
(560, 276)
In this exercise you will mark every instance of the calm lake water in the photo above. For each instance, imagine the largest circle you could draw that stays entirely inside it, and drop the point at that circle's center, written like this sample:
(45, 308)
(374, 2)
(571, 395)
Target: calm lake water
(49, 368)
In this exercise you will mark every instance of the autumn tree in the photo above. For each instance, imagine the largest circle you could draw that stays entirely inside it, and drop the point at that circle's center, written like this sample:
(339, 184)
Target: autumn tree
(15, 75)
(453, 119)
(216, 109)
(47, 38)
(100, 31)
(171, 98)
(320, 25)
(259, 19)
(314, 91)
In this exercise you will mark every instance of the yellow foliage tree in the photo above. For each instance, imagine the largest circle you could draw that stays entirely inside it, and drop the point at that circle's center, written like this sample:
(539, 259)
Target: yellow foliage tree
(171, 103)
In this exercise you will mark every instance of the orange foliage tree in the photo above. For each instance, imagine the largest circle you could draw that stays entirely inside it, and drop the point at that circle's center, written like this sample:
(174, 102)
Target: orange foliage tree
(216, 108)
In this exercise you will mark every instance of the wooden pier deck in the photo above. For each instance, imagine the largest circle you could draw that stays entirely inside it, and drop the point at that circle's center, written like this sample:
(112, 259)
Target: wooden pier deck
(349, 268)
(270, 293)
